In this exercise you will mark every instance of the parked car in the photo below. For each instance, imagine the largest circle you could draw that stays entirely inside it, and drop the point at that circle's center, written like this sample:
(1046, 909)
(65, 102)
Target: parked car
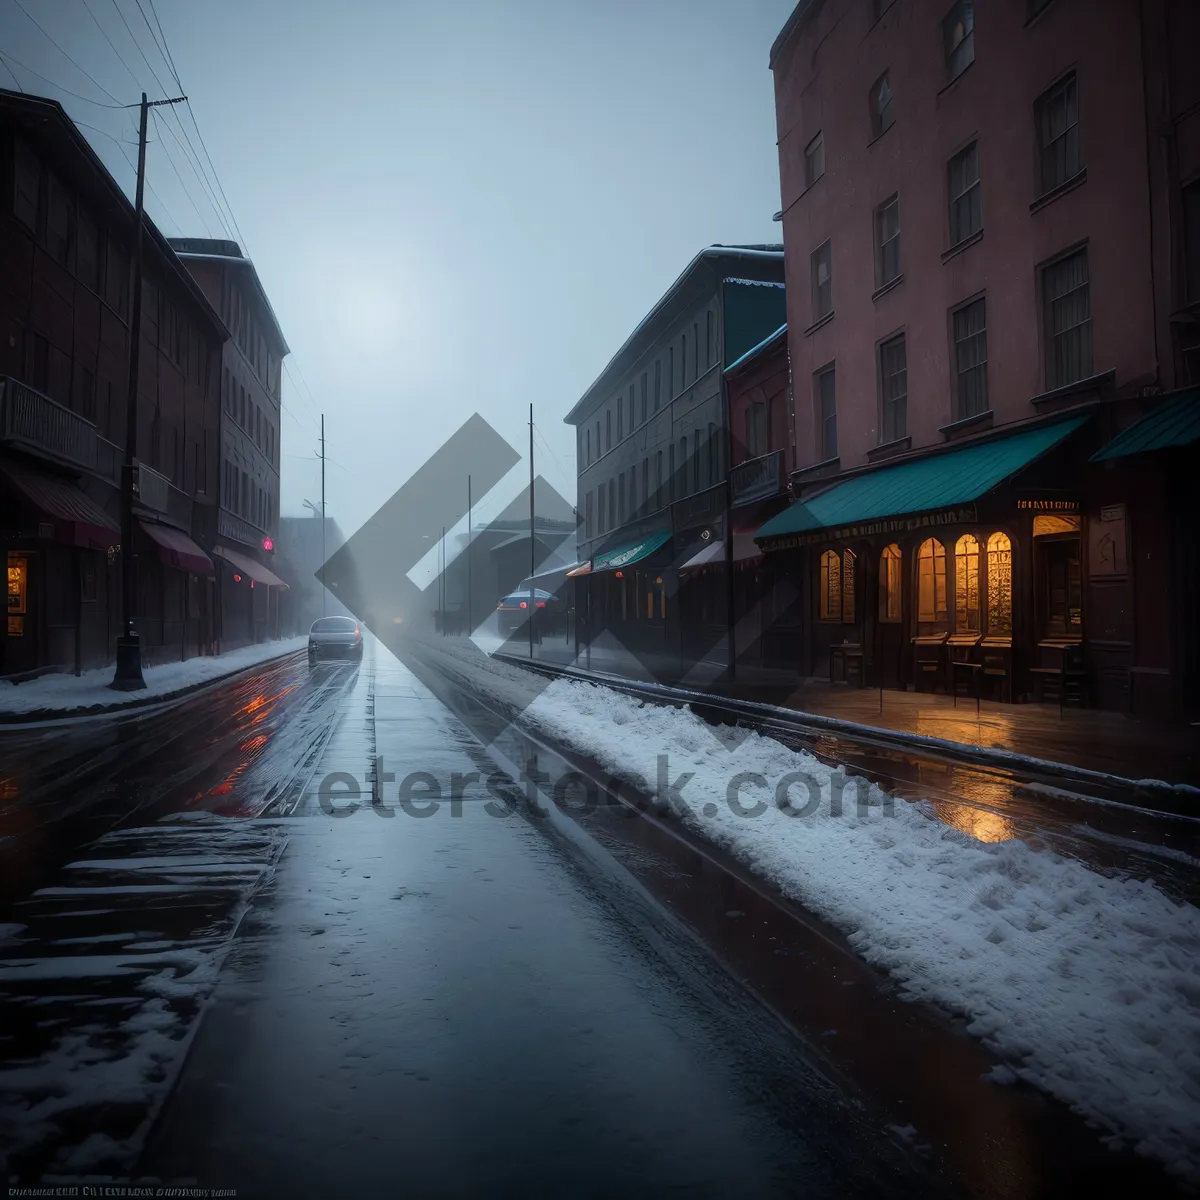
(335, 637)
(514, 609)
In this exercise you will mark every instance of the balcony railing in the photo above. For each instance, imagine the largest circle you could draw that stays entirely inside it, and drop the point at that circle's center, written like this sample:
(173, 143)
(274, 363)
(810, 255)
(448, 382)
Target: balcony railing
(43, 427)
(153, 489)
(758, 479)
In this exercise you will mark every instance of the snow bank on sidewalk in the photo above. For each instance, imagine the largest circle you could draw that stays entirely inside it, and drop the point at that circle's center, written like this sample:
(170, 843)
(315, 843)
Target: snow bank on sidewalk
(1087, 985)
(67, 693)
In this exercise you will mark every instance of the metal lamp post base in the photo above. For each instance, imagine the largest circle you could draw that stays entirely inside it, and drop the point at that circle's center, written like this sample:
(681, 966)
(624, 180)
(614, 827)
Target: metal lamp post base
(128, 675)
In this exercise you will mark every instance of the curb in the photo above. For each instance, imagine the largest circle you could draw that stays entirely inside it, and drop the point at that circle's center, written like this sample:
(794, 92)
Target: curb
(1182, 799)
(39, 715)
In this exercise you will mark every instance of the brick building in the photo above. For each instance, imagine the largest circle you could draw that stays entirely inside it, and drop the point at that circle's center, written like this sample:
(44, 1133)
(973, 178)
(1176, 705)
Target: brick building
(992, 228)
(66, 247)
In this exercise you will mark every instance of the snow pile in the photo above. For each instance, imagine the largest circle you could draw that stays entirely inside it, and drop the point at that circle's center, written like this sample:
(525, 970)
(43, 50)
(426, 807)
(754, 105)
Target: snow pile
(66, 693)
(1087, 985)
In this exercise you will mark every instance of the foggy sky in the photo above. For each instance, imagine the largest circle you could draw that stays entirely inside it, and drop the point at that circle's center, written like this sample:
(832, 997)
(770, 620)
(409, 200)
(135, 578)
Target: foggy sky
(454, 207)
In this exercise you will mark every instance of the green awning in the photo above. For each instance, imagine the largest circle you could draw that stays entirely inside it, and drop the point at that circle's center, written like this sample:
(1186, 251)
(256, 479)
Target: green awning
(1175, 422)
(938, 481)
(626, 556)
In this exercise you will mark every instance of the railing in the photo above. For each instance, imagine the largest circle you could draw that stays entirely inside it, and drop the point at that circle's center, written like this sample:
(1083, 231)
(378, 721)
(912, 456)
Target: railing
(44, 427)
(153, 489)
(179, 508)
(109, 460)
(758, 479)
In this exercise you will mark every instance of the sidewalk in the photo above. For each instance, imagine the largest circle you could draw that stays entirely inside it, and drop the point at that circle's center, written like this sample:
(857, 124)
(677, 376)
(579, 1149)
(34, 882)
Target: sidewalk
(1110, 742)
(53, 696)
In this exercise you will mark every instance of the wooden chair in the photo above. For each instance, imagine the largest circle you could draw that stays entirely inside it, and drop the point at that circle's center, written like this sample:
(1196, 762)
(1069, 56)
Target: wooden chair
(997, 673)
(927, 661)
(851, 656)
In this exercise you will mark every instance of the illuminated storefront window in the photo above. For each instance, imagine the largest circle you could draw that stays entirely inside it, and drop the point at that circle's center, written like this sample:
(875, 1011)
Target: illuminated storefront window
(999, 577)
(931, 583)
(837, 586)
(966, 584)
(890, 563)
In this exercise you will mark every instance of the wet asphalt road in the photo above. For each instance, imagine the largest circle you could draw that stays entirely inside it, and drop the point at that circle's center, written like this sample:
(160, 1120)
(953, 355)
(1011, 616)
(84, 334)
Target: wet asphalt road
(451, 1004)
(457, 1005)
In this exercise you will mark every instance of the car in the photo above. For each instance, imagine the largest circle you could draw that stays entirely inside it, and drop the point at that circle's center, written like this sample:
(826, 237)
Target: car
(335, 637)
(513, 609)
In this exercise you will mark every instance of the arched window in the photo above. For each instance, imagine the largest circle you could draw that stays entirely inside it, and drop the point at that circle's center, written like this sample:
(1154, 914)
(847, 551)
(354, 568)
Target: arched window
(890, 562)
(837, 586)
(999, 577)
(931, 583)
(831, 586)
(966, 585)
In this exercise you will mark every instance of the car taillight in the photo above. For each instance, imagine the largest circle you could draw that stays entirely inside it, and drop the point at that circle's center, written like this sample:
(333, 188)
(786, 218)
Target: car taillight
(357, 634)
(522, 603)
(541, 604)
(500, 605)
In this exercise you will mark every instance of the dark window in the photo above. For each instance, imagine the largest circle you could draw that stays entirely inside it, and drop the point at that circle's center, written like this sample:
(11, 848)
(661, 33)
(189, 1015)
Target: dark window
(958, 31)
(587, 514)
(646, 483)
(1067, 311)
(695, 350)
(621, 494)
(612, 504)
(645, 395)
(696, 461)
(58, 223)
(657, 383)
(658, 480)
(882, 116)
(822, 280)
(27, 187)
(1057, 114)
(966, 196)
(671, 488)
(712, 453)
(600, 508)
(632, 414)
(598, 449)
(1191, 233)
(683, 361)
(756, 429)
(893, 377)
(814, 160)
(87, 257)
(970, 359)
(608, 430)
(709, 348)
(87, 396)
(620, 417)
(37, 361)
(670, 372)
(887, 240)
(825, 390)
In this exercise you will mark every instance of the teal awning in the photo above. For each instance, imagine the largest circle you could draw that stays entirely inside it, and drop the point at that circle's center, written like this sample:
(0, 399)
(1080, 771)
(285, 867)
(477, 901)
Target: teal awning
(937, 481)
(626, 556)
(1175, 422)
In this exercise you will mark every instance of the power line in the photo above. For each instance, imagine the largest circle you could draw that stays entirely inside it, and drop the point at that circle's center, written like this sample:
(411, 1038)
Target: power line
(58, 86)
(183, 186)
(104, 32)
(13, 74)
(64, 53)
(160, 47)
(200, 178)
(138, 47)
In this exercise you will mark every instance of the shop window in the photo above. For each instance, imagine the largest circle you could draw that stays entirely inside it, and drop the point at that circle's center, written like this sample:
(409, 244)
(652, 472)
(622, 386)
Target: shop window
(837, 586)
(890, 564)
(999, 581)
(931, 583)
(966, 585)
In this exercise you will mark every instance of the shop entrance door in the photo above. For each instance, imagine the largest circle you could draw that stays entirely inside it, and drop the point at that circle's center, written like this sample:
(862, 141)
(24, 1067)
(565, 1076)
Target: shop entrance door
(1062, 588)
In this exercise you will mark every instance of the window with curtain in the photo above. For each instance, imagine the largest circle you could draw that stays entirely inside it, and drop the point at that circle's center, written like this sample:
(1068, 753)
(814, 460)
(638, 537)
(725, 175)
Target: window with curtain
(966, 196)
(826, 398)
(958, 31)
(887, 240)
(893, 384)
(931, 583)
(999, 580)
(882, 116)
(1057, 115)
(821, 268)
(831, 586)
(966, 585)
(890, 564)
(836, 601)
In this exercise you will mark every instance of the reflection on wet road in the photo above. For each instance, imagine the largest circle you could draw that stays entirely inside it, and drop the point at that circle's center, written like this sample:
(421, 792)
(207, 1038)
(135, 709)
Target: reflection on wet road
(65, 783)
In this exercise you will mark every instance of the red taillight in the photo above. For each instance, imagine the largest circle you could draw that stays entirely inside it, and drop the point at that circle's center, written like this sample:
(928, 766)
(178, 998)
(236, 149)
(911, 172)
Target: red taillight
(357, 634)
(500, 605)
(522, 603)
(541, 604)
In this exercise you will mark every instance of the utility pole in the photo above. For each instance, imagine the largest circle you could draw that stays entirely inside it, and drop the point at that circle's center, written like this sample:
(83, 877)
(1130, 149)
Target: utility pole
(532, 550)
(469, 540)
(324, 557)
(128, 674)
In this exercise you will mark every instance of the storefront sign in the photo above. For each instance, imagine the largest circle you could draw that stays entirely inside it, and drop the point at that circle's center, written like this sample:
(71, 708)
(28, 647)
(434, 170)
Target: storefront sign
(1049, 504)
(885, 525)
